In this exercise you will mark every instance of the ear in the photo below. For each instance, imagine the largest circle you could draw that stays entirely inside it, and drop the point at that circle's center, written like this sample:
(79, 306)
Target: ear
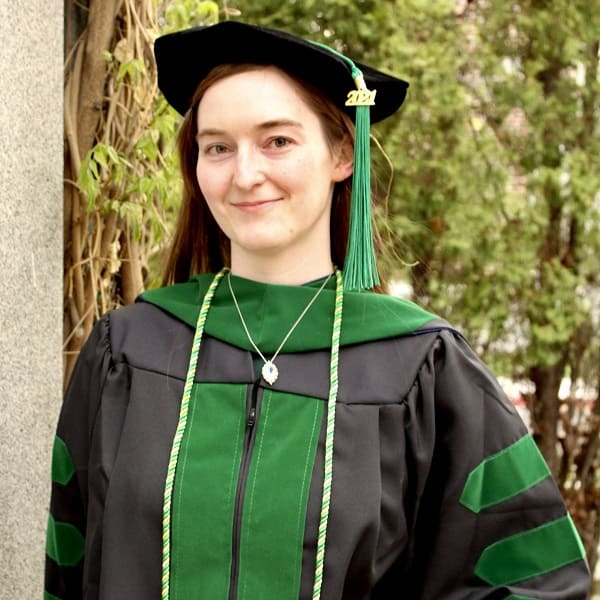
(344, 160)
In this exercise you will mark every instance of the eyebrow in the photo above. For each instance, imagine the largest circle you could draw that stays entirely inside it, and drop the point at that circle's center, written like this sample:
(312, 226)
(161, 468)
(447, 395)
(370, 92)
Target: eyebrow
(271, 124)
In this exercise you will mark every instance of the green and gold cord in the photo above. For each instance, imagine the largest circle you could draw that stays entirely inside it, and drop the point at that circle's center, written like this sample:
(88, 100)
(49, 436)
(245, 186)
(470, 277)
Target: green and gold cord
(180, 430)
(329, 435)
(331, 405)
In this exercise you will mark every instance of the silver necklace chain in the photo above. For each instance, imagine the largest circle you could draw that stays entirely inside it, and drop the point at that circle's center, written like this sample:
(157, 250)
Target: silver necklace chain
(270, 372)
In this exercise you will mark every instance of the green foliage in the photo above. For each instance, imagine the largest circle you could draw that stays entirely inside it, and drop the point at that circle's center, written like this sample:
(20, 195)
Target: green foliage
(103, 163)
(188, 13)
(548, 70)
(555, 314)
(138, 178)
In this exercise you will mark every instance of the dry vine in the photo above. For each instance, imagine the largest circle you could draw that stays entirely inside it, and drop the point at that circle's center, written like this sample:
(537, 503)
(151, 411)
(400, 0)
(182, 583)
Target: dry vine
(110, 97)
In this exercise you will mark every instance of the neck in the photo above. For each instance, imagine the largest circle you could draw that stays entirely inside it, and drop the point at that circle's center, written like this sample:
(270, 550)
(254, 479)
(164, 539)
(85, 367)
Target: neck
(279, 269)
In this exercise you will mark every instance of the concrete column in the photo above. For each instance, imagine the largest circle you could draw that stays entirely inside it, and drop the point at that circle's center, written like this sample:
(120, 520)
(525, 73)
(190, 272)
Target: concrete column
(31, 206)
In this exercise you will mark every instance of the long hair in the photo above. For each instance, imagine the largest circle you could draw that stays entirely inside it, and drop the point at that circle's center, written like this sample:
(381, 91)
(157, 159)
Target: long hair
(198, 244)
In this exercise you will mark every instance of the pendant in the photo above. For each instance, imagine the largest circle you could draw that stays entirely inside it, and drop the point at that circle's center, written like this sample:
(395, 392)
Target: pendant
(270, 372)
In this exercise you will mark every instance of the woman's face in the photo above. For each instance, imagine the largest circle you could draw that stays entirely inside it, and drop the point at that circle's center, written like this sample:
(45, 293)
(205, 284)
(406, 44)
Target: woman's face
(266, 169)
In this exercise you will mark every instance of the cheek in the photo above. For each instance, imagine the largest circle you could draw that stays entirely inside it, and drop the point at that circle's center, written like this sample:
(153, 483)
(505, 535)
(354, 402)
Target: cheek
(210, 193)
(209, 183)
(296, 172)
(315, 167)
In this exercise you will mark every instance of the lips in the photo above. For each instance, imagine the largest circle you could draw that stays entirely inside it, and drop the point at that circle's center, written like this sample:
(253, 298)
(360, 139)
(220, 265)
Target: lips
(254, 204)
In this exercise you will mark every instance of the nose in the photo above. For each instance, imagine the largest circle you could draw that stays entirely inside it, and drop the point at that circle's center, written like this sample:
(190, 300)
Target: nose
(249, 168)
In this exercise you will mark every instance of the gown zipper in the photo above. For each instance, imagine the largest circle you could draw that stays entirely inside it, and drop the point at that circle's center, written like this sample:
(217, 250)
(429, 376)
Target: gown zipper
(252, 411)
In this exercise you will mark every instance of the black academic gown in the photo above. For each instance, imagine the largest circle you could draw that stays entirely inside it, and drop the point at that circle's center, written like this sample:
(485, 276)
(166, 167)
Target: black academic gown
(438, 490)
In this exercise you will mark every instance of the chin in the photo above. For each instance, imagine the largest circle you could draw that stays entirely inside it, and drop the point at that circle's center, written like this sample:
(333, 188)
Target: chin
(262, 249)
(262, 243)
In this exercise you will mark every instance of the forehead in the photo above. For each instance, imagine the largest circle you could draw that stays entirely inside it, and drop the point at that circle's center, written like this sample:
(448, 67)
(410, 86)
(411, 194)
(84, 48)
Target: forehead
(260, 93)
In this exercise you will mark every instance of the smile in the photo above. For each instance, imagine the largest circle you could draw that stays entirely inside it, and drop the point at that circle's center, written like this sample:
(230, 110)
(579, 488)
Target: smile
(252, 205)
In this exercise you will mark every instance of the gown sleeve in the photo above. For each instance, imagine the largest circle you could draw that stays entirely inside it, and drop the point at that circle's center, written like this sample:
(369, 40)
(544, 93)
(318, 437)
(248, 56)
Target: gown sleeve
(68, 539)
(491, 522)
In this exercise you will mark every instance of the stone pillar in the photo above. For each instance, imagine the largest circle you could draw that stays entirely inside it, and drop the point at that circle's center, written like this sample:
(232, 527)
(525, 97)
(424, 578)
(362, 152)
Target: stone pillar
(31, 207)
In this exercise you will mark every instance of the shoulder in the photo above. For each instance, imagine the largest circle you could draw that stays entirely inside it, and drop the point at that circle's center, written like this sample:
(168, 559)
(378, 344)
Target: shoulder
(433, 363)
(136, 319)
(145, 337)
(397, 362)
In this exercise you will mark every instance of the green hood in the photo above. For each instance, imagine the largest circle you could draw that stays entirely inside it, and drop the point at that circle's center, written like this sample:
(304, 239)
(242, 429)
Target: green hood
(270, 310)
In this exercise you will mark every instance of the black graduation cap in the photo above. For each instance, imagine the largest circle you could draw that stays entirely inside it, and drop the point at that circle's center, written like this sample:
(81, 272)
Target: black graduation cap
(184, 58)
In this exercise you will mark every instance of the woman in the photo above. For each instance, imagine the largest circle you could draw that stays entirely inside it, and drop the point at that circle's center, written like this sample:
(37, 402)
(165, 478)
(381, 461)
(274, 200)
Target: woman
(260, 432)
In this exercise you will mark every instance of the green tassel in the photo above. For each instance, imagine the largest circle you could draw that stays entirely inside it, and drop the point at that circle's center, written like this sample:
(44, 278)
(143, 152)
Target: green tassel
(360, 266)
